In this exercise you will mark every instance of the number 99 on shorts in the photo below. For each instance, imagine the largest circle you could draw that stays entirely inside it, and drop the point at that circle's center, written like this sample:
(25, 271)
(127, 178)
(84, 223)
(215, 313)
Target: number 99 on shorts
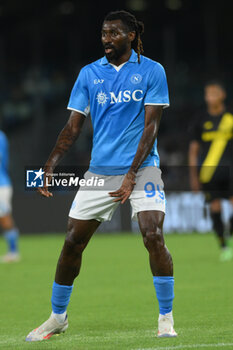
(154, 191)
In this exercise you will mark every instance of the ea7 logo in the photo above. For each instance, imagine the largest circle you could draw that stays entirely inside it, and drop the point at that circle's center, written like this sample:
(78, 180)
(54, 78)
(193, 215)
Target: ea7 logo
(126, 96)
(98, 81)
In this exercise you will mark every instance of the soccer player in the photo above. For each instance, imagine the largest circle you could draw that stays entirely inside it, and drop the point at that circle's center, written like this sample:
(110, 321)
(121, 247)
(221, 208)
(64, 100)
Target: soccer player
(10, 232)
(211, 158)
(126, 93)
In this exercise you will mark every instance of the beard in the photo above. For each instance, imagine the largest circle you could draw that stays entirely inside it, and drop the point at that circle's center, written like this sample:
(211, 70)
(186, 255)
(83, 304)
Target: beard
(115, 54)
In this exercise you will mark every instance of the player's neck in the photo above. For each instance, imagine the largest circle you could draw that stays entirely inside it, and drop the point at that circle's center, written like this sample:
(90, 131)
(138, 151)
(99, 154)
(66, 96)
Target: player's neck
(124, 58)
(216, 110)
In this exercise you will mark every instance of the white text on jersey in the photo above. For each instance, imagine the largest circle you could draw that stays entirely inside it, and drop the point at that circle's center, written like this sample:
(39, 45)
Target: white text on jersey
(126, 96)
(98, 81)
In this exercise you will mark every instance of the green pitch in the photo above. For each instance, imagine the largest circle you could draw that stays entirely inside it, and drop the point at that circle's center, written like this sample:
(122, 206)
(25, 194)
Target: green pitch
(113, 305)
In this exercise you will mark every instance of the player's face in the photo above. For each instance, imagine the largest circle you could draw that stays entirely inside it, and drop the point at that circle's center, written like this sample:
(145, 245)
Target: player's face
(116, 39)
(214, 95)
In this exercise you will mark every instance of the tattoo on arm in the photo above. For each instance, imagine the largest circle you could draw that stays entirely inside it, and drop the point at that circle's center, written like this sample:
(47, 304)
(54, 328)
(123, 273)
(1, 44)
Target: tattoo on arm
(65, 140)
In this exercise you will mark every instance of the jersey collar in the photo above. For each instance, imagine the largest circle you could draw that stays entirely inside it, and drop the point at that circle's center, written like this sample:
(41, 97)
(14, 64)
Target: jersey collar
(133, 58)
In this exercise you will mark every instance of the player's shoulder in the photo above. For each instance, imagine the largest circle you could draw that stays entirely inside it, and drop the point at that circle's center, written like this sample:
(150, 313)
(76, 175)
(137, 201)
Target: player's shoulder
(3, 139)
(2, 136)
(229, 110)
(152, 64)
(90, 65)
(89, 68)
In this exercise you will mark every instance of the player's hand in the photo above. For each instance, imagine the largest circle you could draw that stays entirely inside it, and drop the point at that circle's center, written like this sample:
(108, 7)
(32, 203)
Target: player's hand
(47, 179)
(125, 190)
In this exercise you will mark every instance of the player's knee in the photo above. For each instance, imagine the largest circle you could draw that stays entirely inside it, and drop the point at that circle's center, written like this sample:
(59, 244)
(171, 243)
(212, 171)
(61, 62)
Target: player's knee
(73, 245)
(153, 239)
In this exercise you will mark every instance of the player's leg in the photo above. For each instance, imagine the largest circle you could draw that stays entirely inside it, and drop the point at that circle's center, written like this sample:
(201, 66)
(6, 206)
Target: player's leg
(89, 208)
(215, 212)
(7, 225)
(231, 224)
(69, 263)
(151, 226)
(78, 236)
(11, 235)
(218, 226)
(68, 267)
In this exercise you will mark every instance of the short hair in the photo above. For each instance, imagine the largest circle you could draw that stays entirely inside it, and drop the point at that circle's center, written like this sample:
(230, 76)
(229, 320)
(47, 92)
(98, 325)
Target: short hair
(216, 82)
(133, 25)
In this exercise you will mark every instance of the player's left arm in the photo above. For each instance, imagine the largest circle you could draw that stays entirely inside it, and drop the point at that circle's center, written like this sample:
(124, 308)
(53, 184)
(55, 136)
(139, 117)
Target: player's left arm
(153, 115)
(4, 151)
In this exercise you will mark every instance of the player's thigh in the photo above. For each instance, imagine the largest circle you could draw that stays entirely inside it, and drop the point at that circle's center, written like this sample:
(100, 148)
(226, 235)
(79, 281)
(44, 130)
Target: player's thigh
(6, 222)
(5, 206)
(148, 194)
(80, 231)
(93, 202)
(231, 200)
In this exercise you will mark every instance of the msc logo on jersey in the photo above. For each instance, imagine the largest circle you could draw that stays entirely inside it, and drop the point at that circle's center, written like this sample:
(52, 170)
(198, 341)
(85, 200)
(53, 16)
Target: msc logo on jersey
(123, 96)
(136, 79)
(35, 178)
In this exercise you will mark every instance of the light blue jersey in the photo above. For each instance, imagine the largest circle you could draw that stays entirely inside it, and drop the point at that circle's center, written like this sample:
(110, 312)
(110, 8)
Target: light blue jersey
(4, 178)
(116, 97)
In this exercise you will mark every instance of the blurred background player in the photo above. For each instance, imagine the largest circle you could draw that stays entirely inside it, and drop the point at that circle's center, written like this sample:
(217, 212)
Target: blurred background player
(211, 159)
(7, 225)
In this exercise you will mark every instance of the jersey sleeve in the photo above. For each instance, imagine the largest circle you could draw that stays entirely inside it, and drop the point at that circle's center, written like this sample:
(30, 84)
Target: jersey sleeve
(157, 93)
(79, 98)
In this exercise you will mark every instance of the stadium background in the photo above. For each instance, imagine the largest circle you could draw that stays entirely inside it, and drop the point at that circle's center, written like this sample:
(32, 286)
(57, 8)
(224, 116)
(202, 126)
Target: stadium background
(43, 45)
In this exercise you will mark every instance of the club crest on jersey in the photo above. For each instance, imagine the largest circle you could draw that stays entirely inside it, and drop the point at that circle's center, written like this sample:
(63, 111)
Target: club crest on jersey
(136, 78)
(122, 96)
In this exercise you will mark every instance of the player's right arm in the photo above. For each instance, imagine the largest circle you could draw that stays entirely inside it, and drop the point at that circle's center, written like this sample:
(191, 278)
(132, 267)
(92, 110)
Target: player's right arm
(65, 140)
(194, 149)
(79, 105)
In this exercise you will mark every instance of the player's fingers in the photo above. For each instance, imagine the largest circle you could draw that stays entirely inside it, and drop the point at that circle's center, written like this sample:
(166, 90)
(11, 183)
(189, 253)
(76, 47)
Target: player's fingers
(48, 194)
(125, 198)
(40, 190)
(118, 190)
(116, 193)
(44, 192)
(117, 199)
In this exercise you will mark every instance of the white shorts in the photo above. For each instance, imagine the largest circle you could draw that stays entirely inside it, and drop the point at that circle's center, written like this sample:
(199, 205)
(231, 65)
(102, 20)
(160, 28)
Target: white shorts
(96, 203)
(5, 200)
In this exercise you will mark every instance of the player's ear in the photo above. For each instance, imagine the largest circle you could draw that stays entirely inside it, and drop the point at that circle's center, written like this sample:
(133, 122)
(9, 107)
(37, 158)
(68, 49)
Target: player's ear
(131, 36)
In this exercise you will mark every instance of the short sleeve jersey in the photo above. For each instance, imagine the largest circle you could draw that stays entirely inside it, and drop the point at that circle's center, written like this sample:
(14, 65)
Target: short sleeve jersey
(4, 178)
(115, 97)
